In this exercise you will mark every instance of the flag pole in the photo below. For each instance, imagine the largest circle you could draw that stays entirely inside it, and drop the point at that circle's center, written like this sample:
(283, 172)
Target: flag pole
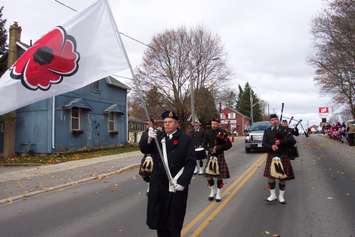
(135, 81)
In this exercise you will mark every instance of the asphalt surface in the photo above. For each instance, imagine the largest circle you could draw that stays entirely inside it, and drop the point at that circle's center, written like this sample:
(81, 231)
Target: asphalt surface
(321, 202)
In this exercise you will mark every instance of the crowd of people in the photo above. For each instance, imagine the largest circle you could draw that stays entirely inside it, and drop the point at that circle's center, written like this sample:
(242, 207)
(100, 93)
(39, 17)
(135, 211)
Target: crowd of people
(336, 131)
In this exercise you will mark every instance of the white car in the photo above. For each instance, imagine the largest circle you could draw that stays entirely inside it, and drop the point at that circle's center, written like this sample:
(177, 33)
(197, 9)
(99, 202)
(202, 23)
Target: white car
(254, 136)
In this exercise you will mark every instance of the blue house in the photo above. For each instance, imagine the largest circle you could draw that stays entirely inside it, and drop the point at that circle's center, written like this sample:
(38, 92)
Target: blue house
(92, 117)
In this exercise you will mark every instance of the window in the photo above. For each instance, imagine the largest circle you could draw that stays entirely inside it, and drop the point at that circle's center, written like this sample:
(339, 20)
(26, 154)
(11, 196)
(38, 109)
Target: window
(231, 115)
(75, 119)
(112, 122)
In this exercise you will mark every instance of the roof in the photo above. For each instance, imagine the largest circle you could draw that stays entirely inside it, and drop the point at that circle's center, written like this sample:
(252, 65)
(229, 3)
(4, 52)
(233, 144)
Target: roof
(113, 81)
(236, 111)
(135, 119)
(77, 103)
(113, 108)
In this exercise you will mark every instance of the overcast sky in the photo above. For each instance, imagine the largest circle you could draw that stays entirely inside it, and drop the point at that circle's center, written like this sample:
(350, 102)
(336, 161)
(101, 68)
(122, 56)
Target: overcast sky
(267, 42)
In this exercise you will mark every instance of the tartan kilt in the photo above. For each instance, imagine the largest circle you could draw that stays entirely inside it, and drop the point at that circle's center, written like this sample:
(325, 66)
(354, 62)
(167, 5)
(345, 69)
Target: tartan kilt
(223, 168)
(286, 163)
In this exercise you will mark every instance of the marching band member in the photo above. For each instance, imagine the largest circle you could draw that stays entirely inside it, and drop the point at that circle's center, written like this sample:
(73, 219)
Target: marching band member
(167, 199)
(278, 165)
(197, 135)
(216, 169)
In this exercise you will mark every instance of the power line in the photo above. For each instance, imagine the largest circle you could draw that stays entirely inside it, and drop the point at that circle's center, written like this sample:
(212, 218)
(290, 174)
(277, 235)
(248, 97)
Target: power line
(125, 35)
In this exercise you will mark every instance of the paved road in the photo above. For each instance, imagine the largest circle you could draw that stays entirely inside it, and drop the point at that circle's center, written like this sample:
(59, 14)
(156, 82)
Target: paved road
(321, 202)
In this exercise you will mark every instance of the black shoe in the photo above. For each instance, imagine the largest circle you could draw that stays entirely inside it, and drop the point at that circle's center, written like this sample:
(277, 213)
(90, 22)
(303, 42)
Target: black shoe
(210, 199)
(218, 200)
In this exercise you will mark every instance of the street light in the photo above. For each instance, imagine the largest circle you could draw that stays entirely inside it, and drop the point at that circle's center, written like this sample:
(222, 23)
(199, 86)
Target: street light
(193, 114)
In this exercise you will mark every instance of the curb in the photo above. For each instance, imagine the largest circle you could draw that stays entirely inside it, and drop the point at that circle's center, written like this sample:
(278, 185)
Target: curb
(20, 164)
(61, 186)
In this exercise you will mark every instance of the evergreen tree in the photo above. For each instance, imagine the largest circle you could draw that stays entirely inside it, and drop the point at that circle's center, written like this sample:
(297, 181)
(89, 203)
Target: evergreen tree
(243, 103)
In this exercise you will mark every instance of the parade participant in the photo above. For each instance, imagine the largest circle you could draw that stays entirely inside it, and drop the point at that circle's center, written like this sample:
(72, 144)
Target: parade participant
(197, 135)
(167, 199)
(294, 131)
(277, 142)
(292, 151)
(217, 142)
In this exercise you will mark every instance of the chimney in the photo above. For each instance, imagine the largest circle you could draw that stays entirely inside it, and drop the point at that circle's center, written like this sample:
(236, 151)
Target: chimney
(10, 118)
(14, 36)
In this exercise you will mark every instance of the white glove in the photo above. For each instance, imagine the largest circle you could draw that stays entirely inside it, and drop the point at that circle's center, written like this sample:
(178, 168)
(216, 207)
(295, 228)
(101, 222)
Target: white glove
(151, 134)
(179, 187)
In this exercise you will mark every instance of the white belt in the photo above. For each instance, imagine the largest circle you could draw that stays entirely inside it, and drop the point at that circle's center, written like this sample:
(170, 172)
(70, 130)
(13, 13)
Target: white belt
(165, 160)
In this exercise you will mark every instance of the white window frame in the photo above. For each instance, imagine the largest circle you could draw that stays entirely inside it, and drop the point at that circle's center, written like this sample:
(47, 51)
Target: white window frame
(113, 120)
(78, 118)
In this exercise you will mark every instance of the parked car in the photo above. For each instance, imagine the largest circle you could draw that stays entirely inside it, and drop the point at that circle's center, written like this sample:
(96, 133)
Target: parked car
(350, 132)
(254, 136)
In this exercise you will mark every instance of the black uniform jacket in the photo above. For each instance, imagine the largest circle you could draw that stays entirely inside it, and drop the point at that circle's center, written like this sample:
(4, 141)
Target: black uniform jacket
(278, 133)
(198, 138)
(166, 210)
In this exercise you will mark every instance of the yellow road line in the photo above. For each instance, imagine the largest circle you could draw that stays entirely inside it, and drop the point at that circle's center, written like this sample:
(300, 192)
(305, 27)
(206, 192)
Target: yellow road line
(245, 178)
(226, 193)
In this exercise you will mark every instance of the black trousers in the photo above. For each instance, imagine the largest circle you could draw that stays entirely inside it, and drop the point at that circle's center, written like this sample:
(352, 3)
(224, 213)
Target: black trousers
(168, 233)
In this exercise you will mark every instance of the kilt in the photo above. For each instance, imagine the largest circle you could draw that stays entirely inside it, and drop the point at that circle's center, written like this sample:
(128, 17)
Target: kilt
(286, 163)
(223, 169)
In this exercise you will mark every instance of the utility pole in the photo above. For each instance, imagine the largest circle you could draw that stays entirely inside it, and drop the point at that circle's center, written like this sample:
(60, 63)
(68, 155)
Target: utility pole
(251, 106)
(192, 101)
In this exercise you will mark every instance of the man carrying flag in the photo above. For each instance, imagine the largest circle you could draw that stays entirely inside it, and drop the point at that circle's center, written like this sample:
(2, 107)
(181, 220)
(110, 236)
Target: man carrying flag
(167, 199)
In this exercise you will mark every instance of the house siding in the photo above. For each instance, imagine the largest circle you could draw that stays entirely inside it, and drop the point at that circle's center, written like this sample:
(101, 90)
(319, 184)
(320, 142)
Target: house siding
(34, 122)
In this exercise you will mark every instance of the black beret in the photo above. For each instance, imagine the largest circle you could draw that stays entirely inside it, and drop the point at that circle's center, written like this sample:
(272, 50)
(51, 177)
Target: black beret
(169, 114)
(273, 116)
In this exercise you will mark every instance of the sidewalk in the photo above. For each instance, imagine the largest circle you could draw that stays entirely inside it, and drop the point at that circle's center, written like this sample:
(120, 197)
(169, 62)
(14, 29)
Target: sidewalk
(20, 180)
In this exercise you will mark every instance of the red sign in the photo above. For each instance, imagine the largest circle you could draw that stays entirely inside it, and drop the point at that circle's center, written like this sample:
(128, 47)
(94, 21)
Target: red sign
(323, 110)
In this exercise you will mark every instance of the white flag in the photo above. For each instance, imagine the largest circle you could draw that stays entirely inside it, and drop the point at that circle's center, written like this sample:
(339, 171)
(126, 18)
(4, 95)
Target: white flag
(83, 50)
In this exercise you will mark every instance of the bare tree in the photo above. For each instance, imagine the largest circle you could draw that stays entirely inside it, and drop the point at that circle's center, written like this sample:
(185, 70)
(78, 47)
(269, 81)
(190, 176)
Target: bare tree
(176, 57)
(334, 58)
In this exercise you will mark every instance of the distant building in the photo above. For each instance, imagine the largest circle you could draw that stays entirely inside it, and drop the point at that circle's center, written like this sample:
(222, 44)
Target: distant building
(233, 120)
(136, 128)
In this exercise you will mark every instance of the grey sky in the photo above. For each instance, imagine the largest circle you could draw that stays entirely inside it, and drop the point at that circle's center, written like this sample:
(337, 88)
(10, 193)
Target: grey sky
(267, 42)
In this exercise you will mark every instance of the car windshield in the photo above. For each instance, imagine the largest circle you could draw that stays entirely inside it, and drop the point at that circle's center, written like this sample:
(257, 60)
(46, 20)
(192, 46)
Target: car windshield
(259, 127)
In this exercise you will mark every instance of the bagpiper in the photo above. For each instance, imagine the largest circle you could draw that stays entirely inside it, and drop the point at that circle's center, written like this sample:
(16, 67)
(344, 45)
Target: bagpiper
(292, 152)
(167, 198)
(294, 131)
(197, 135)
(217, 142)
(278, 165)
